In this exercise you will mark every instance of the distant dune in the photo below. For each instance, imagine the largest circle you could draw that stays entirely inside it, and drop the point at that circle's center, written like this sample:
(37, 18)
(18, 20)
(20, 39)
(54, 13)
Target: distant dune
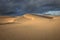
(32, 27)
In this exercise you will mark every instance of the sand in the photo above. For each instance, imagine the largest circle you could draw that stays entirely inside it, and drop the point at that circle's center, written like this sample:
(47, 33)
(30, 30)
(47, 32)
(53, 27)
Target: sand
(32, 27)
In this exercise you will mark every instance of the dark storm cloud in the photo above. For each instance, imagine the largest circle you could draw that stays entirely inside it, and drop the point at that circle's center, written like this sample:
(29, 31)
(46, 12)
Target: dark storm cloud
(19, 7)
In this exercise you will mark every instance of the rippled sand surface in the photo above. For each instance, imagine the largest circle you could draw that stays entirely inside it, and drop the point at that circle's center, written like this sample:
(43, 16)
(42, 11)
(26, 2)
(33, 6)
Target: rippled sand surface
(32, 27)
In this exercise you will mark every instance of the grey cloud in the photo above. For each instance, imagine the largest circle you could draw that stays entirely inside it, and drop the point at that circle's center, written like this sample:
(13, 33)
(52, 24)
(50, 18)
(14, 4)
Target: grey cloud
(19, 7)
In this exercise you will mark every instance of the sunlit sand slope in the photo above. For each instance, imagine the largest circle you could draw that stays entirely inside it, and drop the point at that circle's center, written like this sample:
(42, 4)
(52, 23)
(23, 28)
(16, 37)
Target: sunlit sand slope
(32, 27)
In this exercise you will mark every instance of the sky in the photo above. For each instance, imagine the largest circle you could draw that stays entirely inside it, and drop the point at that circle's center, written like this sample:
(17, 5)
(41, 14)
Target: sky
(20, 7)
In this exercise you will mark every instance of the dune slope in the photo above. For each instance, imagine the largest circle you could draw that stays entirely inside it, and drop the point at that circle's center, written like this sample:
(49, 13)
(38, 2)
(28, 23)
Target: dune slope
(32, 27)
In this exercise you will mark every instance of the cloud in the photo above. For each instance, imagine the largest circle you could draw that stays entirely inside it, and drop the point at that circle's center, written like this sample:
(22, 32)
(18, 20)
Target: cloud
(53, 12)
(20, 7)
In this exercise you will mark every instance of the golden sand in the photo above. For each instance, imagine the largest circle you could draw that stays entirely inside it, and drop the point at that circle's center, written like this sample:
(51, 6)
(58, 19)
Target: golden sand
(32, 27)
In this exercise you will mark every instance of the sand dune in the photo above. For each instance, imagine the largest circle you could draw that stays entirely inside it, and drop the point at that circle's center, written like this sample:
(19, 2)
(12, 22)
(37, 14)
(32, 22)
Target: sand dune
(32, 27)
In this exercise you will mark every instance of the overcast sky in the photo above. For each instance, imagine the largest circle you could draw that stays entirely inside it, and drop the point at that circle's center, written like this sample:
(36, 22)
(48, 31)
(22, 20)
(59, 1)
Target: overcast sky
(20, 7)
